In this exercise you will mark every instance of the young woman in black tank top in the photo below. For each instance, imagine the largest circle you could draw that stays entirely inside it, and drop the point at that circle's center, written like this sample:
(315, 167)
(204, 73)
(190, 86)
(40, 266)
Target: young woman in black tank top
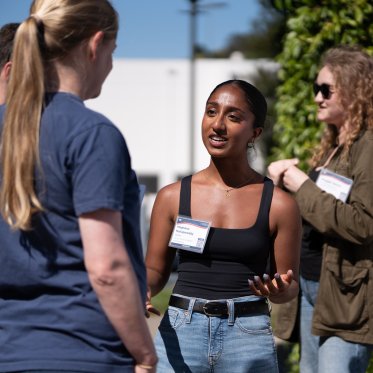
(218, 316)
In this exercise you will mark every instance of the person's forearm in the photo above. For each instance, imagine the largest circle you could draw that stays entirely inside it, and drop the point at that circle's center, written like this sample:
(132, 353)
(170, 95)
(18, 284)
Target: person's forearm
(350, 221)
(119, 296)
(156, 281)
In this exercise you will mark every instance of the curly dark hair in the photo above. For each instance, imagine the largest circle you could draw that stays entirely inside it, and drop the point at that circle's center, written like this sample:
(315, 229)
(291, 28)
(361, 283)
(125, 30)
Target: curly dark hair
(7, 34)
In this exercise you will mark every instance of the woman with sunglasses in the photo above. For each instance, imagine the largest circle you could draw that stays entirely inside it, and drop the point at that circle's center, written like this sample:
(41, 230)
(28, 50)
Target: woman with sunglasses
(336, 203)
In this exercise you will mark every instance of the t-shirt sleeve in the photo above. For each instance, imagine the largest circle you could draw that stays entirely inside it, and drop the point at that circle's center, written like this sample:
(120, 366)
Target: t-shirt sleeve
(100, 169)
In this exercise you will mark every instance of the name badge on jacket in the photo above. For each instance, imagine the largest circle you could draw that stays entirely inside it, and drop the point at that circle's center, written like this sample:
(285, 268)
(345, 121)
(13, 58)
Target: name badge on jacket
(337, 185)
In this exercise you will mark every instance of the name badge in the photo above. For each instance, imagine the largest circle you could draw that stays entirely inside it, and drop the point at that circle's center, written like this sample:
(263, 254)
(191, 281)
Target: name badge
(337, 185)
(189, 234)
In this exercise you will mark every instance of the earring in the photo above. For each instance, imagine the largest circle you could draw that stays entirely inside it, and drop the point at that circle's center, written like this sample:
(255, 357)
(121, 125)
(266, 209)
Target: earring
(251, 144)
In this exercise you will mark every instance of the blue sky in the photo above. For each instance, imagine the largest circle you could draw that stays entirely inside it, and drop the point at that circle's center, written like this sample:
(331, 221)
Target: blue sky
(160, 28)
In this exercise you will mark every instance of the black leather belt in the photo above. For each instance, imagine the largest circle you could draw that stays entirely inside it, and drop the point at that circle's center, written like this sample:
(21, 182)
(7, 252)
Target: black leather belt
(220, 309)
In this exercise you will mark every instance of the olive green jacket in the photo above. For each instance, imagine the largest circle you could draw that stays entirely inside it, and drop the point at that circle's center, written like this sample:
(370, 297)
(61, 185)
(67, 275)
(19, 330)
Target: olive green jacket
(344, 304)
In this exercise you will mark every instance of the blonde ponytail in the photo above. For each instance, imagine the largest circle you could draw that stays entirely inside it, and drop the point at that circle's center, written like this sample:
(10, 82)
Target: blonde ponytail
(40, 41)
(20, 135)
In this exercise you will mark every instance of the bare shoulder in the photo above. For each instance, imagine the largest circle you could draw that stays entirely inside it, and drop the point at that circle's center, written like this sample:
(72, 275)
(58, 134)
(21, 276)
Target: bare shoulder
(167, 199)
(284, 213)
(283, 202)
(169, 192)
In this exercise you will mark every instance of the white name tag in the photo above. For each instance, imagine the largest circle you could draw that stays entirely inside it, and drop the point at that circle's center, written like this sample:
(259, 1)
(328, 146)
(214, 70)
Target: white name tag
(189, 234)
(337, 185)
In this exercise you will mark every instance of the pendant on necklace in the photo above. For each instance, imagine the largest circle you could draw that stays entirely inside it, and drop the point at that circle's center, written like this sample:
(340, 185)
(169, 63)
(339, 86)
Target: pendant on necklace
(227, 191)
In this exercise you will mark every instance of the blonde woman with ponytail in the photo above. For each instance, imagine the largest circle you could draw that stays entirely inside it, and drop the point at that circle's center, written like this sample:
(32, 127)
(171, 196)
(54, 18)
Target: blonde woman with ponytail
(72, 282)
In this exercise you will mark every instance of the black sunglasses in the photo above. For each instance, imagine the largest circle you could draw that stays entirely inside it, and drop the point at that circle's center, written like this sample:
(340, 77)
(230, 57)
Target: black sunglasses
(324, 89)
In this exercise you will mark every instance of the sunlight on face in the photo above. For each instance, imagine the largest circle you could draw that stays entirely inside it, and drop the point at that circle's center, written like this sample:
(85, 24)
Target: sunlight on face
(330, 110)
(228, 123)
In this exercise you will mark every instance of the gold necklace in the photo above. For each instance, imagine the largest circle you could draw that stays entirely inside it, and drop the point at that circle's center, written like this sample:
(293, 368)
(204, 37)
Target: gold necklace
(228, 190)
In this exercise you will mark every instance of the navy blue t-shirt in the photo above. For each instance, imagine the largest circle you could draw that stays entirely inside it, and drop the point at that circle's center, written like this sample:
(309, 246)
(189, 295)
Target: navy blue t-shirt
(50, 317)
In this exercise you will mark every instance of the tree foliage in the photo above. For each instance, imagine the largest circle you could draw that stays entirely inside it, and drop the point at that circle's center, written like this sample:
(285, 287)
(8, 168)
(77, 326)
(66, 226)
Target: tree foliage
(262, 41)
(313, 26)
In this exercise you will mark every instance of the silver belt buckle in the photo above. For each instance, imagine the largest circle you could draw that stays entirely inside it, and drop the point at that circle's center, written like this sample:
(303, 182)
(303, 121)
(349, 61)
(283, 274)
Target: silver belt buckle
(214, 309)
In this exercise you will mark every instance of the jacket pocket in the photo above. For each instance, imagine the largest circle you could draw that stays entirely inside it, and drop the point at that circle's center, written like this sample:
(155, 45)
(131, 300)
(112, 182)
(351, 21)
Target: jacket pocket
(342, 297)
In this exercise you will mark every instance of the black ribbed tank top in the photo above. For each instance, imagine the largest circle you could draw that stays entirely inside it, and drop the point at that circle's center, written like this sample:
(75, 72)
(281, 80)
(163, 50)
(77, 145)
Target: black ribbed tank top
(230, 257)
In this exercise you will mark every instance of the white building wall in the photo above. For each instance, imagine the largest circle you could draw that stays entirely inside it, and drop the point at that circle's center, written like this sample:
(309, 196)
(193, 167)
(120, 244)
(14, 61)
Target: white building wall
(148, 100)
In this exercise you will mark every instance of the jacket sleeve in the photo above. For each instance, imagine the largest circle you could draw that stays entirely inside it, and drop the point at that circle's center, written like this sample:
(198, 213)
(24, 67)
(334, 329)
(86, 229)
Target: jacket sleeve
(352, 221)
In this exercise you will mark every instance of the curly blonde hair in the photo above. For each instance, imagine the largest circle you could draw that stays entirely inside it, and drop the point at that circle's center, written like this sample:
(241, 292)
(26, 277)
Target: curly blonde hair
(352, 69)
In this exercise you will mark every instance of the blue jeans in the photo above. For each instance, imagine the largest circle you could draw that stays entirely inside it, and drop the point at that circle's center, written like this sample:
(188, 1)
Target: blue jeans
(327, 354)
(309, 343)
(191, 342)
(338, 355)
